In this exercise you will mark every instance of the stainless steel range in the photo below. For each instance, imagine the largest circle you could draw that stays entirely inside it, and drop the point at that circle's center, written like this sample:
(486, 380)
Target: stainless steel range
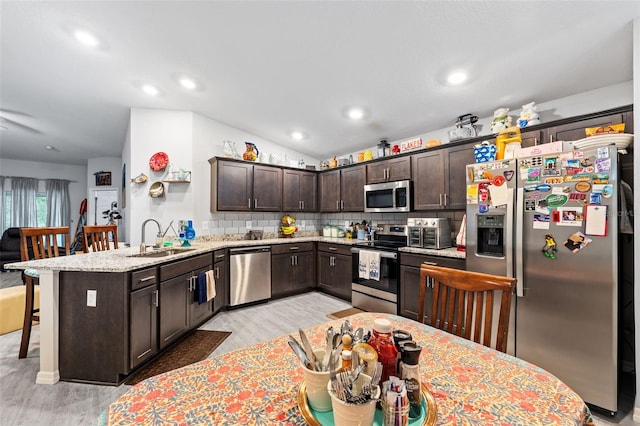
(375, 270)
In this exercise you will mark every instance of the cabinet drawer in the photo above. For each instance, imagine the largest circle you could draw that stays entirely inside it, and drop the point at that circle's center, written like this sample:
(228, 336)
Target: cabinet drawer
(219, 255)
(144, 278)
(335, 248)
(291, 248)
(184, 266)
(417, 259)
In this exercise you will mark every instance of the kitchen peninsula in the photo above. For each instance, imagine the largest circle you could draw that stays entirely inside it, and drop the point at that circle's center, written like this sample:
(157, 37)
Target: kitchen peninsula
(93, 330)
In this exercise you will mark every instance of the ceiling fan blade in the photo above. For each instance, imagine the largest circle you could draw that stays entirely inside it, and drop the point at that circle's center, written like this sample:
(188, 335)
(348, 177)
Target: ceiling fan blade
(22, 126)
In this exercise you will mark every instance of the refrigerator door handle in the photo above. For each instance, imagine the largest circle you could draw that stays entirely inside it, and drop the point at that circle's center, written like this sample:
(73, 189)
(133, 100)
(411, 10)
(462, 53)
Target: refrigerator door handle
(509, 235)
(519, 225)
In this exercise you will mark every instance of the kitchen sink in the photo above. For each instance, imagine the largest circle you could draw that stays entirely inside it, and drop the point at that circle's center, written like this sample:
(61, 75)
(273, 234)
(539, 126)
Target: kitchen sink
(163, 252)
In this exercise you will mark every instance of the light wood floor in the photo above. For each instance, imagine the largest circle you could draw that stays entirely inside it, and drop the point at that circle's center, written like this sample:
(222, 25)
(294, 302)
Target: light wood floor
(22, 402)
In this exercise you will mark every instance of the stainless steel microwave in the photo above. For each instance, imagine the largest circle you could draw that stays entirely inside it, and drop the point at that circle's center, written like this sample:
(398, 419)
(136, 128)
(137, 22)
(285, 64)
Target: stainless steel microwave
(388, 197)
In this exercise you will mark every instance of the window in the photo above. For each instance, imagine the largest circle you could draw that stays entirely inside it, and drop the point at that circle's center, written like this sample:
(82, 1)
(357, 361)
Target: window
(41, 209)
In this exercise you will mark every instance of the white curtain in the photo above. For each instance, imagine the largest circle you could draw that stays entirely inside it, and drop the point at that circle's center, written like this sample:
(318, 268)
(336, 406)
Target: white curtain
(58, 203)
(3, 225)
(23, 201)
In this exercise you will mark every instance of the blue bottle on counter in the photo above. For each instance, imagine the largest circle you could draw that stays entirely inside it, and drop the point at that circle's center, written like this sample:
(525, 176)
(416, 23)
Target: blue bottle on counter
(189, 232)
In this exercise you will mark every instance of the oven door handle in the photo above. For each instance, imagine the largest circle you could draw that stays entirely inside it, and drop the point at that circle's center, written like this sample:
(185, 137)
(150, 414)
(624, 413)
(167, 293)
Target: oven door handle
(384, 254)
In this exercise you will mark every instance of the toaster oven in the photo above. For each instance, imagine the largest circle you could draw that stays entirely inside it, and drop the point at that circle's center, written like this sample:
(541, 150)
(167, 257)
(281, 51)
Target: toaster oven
(429, 233)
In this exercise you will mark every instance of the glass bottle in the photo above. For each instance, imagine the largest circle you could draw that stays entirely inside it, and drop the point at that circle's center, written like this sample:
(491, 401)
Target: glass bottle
(410, 373)
(189, 232)
(382, 341)
(346, 361)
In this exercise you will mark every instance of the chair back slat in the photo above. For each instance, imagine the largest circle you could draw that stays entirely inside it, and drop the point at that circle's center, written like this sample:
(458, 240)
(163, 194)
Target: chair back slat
(99, 237)
(463, 303)
(43, 243)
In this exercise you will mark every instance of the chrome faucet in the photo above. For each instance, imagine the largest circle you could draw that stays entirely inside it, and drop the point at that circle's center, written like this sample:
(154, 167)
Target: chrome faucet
(142, 244)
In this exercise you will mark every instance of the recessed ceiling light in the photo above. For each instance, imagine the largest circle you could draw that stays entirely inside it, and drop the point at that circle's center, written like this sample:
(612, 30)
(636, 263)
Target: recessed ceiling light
(297, 135)
(150, 90)
(457, 77)
(355, 113)
(188, 83)
(86, 38)
(50, 148)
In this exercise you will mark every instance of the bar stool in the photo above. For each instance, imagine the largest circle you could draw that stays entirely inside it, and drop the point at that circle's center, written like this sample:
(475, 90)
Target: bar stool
(38, 243)
(98, 236)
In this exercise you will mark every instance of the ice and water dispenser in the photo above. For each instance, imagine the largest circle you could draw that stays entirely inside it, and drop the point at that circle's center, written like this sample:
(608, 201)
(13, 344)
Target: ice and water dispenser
(490, 234)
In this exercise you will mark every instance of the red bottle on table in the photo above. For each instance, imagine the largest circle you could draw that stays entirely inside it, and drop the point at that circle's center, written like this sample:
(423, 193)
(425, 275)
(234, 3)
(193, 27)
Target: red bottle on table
(382, 341)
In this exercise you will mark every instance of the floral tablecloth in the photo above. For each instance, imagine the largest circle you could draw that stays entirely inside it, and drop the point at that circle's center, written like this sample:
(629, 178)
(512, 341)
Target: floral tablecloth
(257, 385)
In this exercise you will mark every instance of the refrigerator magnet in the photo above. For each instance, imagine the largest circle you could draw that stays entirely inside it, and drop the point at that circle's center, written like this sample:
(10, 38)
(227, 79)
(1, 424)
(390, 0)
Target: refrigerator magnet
(508, 175)
(595, 198)
(533, 175)
(553, 180)
(603, 165)
(607, 191)
(550, 247)
(603, 152)
(600, 178)
(583, 186)
(576, 242)
(555, 216)
(483, 208)
(529, 205)
(556, 200)
(596, 220)
(570, 216)
(472, 194)
(541, 221)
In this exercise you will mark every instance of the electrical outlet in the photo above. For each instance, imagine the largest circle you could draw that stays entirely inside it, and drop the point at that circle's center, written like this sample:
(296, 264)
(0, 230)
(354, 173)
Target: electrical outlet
(92, 295)
(302, 224)
(205, 225)
(346, 223)
(248, 226)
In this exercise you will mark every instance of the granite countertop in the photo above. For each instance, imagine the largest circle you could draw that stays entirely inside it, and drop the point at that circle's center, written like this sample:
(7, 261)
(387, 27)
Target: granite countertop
(122, 259)
(448, 252)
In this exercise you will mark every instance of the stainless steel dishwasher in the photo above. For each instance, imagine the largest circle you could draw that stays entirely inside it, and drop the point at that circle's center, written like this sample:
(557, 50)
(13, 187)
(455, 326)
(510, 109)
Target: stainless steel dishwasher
(249, 274)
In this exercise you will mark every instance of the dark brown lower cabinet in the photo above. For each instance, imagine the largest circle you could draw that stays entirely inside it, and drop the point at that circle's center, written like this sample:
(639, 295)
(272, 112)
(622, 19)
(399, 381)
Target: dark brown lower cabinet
(292, 268)
(410, 282)
(144, 325)
(179, 311)
(93, 340)
(334, 270)
(220, 271)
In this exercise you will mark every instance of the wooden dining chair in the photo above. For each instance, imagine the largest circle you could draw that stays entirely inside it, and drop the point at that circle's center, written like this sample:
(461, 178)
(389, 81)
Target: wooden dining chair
(463, 303)
(38, 243)
(98, 236)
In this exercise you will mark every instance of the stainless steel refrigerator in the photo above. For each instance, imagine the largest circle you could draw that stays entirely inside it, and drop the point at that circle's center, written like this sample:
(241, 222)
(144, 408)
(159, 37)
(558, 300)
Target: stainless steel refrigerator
(552, 222)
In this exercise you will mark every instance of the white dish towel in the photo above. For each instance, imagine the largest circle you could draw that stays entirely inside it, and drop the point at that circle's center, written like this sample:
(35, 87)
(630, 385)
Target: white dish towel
(374, 265)
(363, 264)
(211, 285)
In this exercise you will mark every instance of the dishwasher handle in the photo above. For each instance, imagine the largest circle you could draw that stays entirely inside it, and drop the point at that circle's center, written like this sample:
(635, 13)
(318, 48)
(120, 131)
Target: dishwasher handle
(248, 250)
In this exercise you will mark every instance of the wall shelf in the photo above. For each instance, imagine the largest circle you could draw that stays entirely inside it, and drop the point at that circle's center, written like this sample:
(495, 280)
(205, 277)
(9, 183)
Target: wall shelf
(174, 177)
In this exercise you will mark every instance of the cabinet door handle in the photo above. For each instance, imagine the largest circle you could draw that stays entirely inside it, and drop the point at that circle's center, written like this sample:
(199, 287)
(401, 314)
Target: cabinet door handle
(255, 203)
(550, 138)
(302, 204)
(296, 260)
(445, 199)
(333, 248)
(156, 297)
(294, 248)
(249, 203)
(337, 204)
(141, 280)
(535, 141)
(217, 269)
(341, 204)
(292, 260)
(220, 256)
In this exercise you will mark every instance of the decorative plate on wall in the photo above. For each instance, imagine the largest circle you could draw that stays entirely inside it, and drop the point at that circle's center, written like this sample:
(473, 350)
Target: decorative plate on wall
(158, 161)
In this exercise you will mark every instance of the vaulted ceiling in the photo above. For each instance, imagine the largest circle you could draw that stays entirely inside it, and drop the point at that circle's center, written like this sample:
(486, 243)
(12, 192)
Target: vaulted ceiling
(274, 67)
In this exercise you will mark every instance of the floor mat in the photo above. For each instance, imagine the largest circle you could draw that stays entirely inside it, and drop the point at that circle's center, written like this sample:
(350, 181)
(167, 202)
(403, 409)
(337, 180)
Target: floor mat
(345, 313)
(195, 347)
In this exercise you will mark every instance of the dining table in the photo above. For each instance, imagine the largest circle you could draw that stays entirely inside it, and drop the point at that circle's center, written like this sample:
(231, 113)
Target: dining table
(470, 384)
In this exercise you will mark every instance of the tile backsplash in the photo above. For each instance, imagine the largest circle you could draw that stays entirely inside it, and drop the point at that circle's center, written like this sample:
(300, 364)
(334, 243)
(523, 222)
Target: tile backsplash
(221, 224)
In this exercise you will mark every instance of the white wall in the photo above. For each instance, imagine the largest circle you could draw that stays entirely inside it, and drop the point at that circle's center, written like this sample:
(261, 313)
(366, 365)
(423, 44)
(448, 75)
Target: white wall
(153, 131)
(76, 174)
(189, 140)
(125, 197)
(102, 164)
